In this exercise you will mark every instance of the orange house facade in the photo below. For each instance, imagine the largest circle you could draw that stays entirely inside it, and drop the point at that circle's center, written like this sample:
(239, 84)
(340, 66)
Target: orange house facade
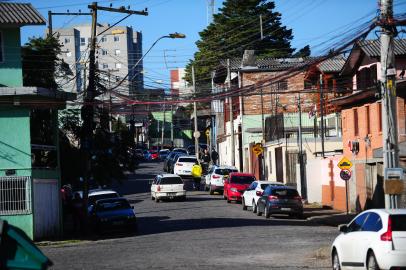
(361, 114)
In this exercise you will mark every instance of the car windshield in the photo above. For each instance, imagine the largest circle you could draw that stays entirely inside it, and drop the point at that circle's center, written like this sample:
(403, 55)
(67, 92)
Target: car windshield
(223, 171)
(188, 160)
(398, 222)
(264, 186)
(171, 181)
(112, 205)
(242, 179)
(180, 151)
(285, 193)
(94, 198)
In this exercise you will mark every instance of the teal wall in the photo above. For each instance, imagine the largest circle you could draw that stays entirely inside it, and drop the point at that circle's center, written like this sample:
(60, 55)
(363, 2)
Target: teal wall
(11, 67)
(15, 153)
(15, 146)
(252, 121)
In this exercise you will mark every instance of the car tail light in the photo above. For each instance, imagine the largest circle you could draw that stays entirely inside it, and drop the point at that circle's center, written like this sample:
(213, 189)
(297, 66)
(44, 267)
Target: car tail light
(216, 176)
(298, 198)
(259, 193)
(387, 236)
(272, 198)
(179, 164)
(158, 188)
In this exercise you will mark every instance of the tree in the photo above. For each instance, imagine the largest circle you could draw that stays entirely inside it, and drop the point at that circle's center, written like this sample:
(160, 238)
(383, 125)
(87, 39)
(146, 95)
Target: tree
(236, 29)
(41, 64)
(303, 52)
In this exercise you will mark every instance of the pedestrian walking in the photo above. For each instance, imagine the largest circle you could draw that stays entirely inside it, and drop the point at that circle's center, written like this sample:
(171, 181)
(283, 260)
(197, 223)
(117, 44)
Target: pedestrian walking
(214, 156)
(197, 175)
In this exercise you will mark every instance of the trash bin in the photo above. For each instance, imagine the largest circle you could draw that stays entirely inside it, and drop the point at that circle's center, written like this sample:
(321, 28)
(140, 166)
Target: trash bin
(17, 251)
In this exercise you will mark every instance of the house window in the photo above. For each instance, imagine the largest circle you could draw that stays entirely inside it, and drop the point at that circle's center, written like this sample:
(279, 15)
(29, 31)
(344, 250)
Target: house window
(104, 52)
(118, 65)
(103, 39)
(1, 47)
(380, 117)
(367, 120)
(15, 194)
(116, 38)
(283, 85)
(67, 40)
(355, 122)
(117, 52)
(82, 41)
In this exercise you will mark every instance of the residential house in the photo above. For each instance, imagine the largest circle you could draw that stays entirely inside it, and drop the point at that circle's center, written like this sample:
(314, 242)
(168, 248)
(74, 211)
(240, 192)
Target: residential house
(29, 153)
(362, 121)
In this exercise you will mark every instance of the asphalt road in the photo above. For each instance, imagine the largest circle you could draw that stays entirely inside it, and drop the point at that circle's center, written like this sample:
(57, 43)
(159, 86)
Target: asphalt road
(203, 232)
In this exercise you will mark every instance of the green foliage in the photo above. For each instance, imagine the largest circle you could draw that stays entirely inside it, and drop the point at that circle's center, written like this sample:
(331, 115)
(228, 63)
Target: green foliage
(236, 29)
(41, 65)
(303, 52)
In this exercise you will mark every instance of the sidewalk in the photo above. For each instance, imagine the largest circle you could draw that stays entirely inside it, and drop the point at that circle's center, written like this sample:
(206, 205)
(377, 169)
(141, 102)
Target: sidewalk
(326, 216)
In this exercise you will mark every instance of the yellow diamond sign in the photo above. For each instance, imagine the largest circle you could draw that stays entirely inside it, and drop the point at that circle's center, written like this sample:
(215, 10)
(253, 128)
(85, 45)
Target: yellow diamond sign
(344, 164)
(257, 149)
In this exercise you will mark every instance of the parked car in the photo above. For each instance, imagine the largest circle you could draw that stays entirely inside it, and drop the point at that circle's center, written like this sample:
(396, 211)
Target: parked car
(147, 155)
(215, 177)
(236, 184)
(254, 192)
(111, 214)
(180, 150)
(98, 194)
(166, 161)
(163, 154)
(167, 186)
(375, 239)
(183, 166)
(154, 155)
(280, 200)
(172, 161)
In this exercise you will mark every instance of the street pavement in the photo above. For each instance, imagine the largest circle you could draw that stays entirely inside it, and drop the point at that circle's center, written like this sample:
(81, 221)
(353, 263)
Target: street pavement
(203, 232)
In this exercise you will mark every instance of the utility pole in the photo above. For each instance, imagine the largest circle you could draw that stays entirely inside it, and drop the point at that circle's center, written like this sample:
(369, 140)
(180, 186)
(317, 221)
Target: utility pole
(322, 115)
(163, 129)
(263, 134)
(172, 125)
(87, 112)
(388, 77)
(195, 134)
(230, 103)
(260, 27)
(303, 184)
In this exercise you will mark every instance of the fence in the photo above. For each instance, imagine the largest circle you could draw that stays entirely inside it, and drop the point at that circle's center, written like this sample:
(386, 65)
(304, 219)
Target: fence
(15, 195)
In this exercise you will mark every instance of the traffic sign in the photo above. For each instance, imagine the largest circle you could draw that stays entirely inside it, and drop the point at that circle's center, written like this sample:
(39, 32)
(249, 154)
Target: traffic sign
(257, 149)
(345, 175)
(196, 134)
(344, 164)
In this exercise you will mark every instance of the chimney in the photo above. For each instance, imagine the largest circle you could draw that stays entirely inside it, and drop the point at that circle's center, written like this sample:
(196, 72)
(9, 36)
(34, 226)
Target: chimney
(248, 59)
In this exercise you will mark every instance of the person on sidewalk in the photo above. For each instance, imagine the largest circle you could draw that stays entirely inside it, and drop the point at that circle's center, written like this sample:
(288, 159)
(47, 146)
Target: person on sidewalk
(197, 175)
(214, 156)
(206, 161)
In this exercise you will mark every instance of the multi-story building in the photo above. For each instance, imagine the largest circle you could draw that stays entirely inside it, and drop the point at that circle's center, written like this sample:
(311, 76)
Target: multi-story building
(118, 51)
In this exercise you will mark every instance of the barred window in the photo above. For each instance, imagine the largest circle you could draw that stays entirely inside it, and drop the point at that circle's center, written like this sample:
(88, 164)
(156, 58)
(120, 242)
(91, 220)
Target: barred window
(15, 195)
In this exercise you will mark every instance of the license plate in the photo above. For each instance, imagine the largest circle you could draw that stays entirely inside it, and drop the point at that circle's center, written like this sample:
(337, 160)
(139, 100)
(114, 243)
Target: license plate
(171, 193)
(285, 209)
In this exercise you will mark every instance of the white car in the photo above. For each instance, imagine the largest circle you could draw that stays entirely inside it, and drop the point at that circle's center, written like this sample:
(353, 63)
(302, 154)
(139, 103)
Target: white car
(254, 192)
(214, 180)
(183, 165)
(167, 186)
(375, 239)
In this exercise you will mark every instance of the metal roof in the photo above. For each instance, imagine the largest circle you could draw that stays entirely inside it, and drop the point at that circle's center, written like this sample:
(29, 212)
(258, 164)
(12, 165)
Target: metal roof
(372, 48)
(19, 14)
(334, 64)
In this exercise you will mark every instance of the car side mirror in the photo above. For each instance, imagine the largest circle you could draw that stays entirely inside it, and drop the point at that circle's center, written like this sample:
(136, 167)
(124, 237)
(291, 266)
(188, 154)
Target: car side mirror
(343, 228)
(259, 193)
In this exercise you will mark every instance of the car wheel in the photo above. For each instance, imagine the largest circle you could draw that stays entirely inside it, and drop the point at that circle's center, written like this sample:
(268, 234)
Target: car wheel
(336, 261)
(371, 262)
(259, 213)
(244, 207)
(152, 197)
(228, 201)
(211, 192)
(266, 212)
(254, 207)
(156, 200)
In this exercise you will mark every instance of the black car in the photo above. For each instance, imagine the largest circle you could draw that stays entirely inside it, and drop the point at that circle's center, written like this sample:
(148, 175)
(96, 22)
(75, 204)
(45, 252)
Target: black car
(172, 160)
(113, 214)
(280, 200)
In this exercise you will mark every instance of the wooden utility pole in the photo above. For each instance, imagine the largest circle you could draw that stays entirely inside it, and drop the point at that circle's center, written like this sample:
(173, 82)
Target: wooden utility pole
(303, 184)
(322, 115)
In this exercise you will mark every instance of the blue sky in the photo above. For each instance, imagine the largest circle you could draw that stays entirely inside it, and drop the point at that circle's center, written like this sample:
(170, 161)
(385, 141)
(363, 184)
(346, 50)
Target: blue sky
(312, 21)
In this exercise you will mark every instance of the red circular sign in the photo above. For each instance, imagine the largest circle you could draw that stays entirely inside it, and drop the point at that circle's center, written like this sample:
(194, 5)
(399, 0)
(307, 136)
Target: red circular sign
(345, 175)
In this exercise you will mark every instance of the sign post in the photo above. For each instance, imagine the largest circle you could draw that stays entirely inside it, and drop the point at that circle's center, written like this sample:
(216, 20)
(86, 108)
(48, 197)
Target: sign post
(345, 165)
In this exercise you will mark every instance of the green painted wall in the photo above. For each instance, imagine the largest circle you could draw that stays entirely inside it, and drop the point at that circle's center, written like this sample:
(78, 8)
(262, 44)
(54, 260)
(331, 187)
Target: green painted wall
(11, 67)
(15, 146)
(251, 121)
(24, 222)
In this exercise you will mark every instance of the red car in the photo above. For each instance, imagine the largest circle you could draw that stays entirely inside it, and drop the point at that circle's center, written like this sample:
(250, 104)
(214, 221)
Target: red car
(236, 184)
(154, 155)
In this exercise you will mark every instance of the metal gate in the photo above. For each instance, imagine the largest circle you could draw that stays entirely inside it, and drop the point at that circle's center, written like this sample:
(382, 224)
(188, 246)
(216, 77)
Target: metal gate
(292, 158)
(46, 208)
